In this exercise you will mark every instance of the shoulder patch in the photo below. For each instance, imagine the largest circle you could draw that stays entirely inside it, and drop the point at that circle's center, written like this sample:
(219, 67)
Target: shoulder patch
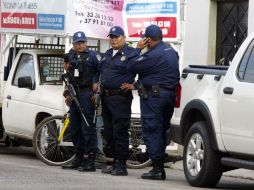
(123, 58)
(167, 49)
(140, 58)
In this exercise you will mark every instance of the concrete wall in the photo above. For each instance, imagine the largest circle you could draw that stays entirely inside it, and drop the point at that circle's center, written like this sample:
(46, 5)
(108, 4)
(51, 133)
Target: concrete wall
(251, 17)
(197, 32)
(200, 31)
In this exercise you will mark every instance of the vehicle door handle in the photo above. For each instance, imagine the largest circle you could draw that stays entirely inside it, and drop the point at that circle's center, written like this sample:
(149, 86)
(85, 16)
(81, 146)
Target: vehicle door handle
(228, 90)
(9, 97)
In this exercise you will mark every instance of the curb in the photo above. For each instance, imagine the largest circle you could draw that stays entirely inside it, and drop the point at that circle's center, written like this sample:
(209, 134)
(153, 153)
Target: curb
(238, 173)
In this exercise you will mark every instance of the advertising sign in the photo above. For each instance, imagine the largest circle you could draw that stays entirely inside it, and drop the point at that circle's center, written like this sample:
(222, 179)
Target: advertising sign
(33, 16)
(138, 14)
(94, 17)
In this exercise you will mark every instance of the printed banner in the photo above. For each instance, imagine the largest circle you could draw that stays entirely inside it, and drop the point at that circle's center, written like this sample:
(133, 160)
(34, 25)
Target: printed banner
(33, 16)
(94, 17)
(138, 14)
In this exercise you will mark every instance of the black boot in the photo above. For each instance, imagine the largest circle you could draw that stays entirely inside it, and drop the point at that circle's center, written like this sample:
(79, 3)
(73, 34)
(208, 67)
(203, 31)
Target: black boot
(89, 164)
(120, 168)
(100, 161)
(108, 170)
(77, 162)
(157, 173)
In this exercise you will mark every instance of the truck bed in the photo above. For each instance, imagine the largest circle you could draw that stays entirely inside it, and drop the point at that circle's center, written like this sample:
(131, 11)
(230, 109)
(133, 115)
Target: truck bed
(206, 69)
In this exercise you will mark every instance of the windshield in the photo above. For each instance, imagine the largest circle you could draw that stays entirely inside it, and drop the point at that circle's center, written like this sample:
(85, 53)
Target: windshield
(51, 68)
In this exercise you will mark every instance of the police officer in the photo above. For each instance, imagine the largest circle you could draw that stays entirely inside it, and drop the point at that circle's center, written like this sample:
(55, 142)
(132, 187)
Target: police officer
(83, 66)
(116, 103)
(158, 78)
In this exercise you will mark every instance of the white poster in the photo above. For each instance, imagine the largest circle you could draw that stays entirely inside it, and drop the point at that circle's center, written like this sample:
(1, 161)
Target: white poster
(94, 17)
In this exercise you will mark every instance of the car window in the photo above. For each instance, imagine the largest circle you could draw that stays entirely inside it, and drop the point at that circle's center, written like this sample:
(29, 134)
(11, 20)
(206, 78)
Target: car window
(249, 71)
(244, 61)
(51, 69)
(25, 68)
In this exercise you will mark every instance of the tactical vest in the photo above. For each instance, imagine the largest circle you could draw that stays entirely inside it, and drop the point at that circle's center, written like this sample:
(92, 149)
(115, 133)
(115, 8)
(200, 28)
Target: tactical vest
(84, 80)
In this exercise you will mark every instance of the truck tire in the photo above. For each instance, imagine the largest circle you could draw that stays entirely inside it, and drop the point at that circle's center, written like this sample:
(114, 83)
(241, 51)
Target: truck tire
(202, 167)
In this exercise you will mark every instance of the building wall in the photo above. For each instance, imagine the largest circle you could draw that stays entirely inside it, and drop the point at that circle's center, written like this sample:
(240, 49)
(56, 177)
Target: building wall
(251, 17)
(200, 31)
(196, 43)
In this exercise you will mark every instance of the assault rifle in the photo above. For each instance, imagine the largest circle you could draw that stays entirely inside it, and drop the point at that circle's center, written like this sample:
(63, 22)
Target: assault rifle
(67, 77)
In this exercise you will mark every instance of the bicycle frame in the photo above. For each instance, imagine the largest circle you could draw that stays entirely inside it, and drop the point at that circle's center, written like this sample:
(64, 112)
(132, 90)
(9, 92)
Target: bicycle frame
(62, 131)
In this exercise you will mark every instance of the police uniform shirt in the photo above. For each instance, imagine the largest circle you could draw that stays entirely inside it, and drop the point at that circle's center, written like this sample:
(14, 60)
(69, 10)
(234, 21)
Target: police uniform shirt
(114, 68)
(158, 66)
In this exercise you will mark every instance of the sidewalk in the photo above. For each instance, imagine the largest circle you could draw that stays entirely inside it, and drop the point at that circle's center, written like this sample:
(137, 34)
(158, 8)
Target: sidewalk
(239, 173)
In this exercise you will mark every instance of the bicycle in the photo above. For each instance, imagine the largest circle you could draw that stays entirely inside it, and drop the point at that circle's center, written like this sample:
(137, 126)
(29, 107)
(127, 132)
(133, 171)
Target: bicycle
(52, 143)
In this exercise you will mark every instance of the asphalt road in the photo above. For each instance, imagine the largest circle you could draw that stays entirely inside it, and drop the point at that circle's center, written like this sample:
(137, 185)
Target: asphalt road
(20, 169)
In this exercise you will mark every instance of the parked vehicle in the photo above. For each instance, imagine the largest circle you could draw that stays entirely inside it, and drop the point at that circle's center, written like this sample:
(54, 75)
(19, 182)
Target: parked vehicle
(215, 120)
(33, 91)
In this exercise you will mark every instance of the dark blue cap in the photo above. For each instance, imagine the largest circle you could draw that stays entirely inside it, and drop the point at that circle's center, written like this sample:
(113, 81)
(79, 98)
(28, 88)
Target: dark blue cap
(116, 31)
(153, 31)
(79, 37)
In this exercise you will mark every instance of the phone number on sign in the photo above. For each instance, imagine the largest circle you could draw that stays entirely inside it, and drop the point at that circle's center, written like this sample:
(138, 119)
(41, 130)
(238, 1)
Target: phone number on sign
(96, 21)
(98, 16)
(95, 18)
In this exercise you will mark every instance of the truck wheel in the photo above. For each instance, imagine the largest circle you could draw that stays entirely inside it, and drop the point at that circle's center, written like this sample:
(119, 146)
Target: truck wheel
(202, 167)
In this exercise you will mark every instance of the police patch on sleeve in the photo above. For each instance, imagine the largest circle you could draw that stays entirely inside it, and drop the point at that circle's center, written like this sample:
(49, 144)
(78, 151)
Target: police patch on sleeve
(140, 58)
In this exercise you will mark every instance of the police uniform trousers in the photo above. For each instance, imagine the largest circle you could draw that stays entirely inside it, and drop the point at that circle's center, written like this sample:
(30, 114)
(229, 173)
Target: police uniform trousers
(116, 113)
(156, 112)
(84, 138)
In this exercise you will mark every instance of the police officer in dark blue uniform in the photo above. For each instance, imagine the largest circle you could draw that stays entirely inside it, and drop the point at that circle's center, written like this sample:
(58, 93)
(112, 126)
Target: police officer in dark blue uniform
(83, 66)
(116, 103)
(158, 78)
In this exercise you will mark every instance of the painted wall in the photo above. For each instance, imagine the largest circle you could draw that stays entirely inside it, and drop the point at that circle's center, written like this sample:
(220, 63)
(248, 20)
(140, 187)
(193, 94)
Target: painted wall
(251, 17)
(200, 31)
(195, 50)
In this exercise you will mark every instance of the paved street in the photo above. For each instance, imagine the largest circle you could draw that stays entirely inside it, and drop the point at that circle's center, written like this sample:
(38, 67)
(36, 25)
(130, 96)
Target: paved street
(20, 169)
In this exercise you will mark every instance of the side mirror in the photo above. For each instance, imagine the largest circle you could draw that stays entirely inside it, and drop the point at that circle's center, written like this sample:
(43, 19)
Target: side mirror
(25, 82)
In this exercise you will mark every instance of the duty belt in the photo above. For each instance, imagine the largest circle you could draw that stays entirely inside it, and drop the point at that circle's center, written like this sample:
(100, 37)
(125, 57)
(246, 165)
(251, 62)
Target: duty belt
(156, 88)
(117, 92)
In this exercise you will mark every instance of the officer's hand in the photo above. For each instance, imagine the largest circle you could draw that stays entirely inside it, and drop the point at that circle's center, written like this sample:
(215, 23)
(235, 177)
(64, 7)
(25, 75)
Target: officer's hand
(143, 43)
(66, 93)
(67, 66)
(95, 87)
(127, 86)
(68, 101)
(93, 98)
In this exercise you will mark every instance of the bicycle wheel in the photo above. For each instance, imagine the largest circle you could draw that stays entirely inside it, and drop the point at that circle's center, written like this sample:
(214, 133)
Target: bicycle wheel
(45, 143)
(138, 156)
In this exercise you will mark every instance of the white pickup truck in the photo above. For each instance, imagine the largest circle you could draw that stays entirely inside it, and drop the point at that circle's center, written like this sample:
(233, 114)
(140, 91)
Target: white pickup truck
(33, 91)
(215, 121)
